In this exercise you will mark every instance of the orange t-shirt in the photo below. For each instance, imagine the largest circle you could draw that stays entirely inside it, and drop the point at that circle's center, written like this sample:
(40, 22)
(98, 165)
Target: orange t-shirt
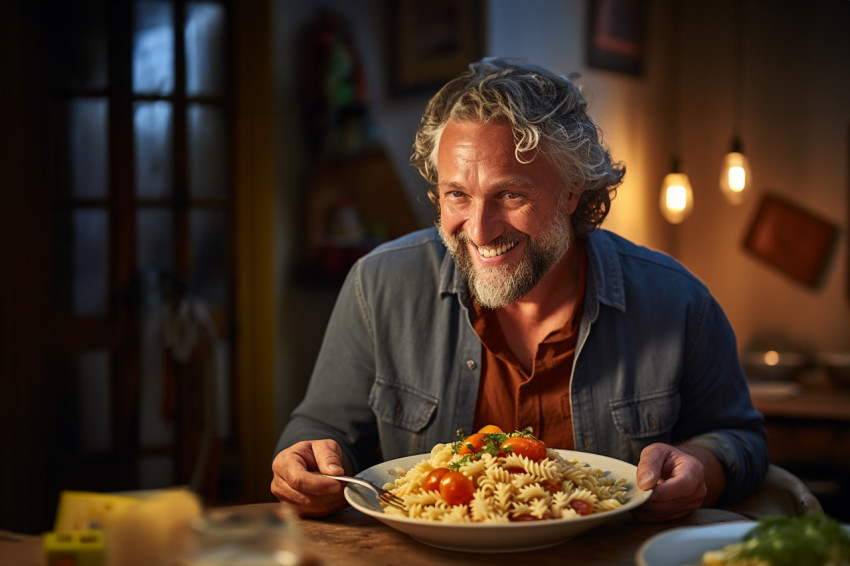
(511, 398)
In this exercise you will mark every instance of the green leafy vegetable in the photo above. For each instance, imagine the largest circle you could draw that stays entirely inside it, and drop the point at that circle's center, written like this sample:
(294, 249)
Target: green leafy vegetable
(813, 539)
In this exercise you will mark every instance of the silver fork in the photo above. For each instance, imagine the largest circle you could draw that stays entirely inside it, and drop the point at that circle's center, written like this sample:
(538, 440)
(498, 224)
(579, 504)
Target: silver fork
(385, 496)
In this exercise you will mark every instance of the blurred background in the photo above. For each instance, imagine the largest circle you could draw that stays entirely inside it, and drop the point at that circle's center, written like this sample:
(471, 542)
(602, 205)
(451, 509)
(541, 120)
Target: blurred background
(183, 185)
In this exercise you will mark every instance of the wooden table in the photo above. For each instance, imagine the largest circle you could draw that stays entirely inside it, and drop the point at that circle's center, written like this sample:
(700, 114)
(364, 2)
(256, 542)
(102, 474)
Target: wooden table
(352, 539)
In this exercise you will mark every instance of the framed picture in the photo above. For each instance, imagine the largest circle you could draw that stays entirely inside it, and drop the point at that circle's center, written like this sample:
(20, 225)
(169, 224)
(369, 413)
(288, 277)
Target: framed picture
(616, 32)
(792, 240)
(431, 42)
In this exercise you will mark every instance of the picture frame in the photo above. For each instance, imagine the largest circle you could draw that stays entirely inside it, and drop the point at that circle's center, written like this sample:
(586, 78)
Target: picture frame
(616, 35)
(431, 42)
(791, 239)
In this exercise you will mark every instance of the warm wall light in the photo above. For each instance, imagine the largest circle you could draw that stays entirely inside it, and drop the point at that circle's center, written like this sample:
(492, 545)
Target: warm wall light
(677, 197)
(735, 175)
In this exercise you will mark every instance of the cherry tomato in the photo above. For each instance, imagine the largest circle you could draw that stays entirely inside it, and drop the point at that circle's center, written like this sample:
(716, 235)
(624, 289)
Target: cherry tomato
(551, 486)
(524, 517)
(432, 480)
(472, 444)
(531, 448)
(581, 507)
(456, 488)
(491, 429)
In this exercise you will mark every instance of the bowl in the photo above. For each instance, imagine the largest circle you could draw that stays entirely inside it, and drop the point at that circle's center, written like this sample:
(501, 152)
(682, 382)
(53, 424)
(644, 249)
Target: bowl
(836, 365)
(775, 365)
(494, 537)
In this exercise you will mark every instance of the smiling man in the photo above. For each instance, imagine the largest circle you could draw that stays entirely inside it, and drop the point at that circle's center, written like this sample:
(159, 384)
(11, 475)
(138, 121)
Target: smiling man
(517, 310)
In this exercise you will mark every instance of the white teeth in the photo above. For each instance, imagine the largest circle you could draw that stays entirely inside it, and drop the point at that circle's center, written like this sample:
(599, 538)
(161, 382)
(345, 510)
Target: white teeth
(493, 252)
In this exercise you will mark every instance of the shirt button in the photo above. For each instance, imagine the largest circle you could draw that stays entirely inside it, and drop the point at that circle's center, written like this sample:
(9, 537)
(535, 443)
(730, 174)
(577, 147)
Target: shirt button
(398, 413)
(470, 364)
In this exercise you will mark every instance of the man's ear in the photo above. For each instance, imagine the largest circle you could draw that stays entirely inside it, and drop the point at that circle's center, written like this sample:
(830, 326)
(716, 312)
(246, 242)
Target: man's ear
(571, 201)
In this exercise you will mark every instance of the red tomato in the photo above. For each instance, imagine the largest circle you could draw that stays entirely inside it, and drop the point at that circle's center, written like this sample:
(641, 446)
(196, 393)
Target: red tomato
(551, 486)
(472, 444)
(456, 488)
(524, 517)
(491, 429)
(581, 507)
(432, 480)
(531, 448)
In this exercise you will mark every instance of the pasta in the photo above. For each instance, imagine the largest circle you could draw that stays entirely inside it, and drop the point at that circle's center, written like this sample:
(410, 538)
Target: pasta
(507, 487)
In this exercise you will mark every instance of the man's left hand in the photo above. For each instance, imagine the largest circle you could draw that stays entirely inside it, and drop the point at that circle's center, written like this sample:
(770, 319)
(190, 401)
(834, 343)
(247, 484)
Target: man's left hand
(679, 480)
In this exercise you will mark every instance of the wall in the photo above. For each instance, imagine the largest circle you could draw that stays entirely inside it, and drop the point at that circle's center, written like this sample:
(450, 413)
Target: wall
(796, 128)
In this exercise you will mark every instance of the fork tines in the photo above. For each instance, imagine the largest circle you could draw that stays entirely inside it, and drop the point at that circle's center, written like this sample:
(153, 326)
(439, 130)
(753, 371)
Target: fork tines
(393, 500)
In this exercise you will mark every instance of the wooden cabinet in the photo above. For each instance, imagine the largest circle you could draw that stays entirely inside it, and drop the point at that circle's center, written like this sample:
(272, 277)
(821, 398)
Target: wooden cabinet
(808, 429)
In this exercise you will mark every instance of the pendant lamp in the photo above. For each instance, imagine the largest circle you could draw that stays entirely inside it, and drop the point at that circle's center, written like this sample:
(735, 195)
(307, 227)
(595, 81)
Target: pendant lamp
(677, 196)
(735, 174)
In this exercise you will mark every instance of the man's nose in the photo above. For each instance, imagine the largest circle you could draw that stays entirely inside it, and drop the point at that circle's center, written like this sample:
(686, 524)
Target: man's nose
(484, 223)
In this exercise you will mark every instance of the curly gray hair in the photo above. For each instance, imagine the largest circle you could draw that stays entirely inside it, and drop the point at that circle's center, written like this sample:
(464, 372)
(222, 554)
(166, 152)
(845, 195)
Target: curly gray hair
(548, 114)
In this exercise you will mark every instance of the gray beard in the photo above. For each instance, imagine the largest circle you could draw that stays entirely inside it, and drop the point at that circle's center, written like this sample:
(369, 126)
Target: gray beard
(500, 286)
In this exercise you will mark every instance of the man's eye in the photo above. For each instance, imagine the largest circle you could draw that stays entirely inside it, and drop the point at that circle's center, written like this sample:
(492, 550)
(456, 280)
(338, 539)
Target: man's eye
(511, 196)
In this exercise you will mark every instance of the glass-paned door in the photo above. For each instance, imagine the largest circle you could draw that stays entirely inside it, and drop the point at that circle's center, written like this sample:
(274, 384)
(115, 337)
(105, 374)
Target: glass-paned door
(139, 120)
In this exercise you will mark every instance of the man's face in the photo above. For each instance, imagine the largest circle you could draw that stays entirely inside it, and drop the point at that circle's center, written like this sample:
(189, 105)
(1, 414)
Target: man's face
(506, 223)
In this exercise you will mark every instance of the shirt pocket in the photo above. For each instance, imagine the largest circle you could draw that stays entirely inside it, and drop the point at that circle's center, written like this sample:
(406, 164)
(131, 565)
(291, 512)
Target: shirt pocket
(648, 417)
(401, 406)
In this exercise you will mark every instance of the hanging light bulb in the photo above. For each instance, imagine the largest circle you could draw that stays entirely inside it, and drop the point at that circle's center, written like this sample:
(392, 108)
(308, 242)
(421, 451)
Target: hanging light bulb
(677, 197)
(735, 175)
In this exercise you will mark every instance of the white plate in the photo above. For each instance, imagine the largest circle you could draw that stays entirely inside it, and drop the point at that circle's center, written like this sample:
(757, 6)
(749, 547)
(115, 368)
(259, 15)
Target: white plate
(487, 537)
(686, 545)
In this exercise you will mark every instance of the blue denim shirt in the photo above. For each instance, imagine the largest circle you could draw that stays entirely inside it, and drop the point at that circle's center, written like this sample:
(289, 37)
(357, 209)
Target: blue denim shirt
(656, 361)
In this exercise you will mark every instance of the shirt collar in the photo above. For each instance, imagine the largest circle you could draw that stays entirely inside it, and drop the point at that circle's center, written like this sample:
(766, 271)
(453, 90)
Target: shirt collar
(604, 272)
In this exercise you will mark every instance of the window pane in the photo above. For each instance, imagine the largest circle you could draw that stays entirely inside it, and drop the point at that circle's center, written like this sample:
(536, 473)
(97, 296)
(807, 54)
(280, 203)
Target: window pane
(94, 403)
(81, 261)
(207, 141)
(154, 237)
(205, 37)
(210, 253)
(76, 44)
(79, 147)
(153, 135)
(153, 48)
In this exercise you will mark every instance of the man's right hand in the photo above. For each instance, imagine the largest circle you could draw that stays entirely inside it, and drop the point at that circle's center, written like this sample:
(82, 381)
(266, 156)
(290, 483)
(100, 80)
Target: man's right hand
(310, 494)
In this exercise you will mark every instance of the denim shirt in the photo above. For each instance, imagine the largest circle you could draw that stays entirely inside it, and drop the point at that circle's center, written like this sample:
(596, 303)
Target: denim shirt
(656, 361)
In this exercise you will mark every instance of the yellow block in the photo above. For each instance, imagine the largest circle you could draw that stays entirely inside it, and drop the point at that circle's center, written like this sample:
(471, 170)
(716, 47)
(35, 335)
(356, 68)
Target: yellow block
(84, 510)
(74, 548)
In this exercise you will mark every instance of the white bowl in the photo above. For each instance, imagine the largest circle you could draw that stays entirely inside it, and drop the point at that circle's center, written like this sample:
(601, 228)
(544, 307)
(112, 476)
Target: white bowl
(494, 537)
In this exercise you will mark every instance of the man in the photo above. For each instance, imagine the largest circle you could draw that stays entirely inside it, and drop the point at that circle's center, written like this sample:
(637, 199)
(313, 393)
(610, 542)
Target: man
(519, 311)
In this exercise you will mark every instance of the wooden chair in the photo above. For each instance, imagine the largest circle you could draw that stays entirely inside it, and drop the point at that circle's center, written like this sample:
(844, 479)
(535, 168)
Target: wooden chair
(781, 493)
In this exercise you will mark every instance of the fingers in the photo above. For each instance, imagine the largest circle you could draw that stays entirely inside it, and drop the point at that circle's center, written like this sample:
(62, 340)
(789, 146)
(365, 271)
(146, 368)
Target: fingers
(308, 493)
(328, 457)
(677, 480)
(651, 462)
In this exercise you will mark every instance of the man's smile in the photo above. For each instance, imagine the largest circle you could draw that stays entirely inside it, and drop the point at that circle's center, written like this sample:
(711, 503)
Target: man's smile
(494, 251)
